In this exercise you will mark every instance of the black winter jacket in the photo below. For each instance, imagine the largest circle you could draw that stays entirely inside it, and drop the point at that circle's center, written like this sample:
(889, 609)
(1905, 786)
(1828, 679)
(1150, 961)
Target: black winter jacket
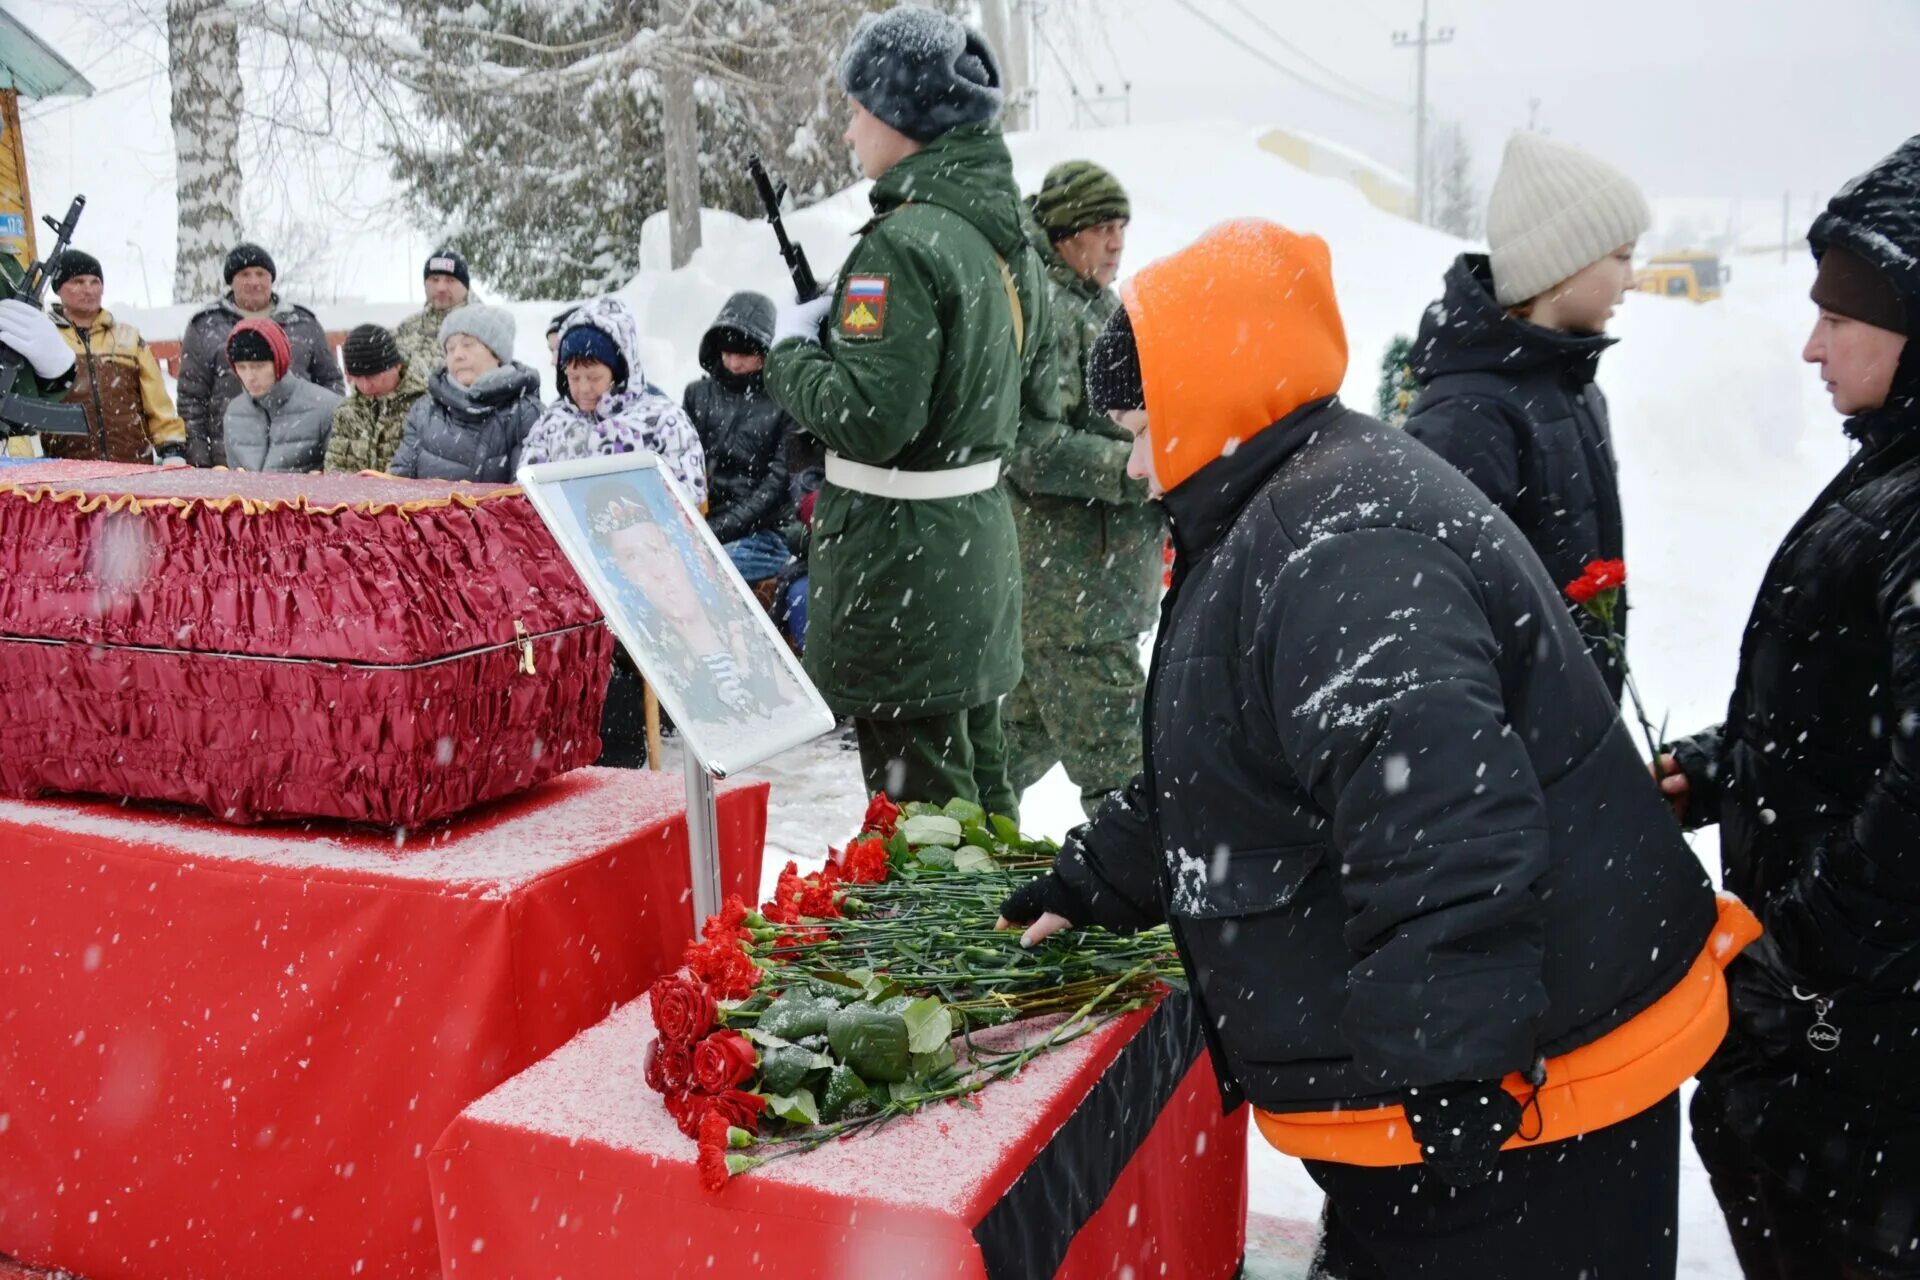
(1391, 814)
(1814, 777)
(469, 433)
(742, 430)
(1515, 408)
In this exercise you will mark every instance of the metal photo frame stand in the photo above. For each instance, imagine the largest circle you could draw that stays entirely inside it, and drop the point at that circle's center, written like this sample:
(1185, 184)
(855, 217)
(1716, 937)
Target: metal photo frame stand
(703, 841)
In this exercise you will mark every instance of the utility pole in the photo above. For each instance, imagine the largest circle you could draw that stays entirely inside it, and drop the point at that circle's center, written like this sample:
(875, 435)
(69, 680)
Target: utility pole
(1009, 26)
(1420, 44)
(1533, 115)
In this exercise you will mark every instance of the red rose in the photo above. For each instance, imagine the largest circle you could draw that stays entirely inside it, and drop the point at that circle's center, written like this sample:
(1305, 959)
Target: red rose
(713, 1151)
(742, 1109)
(723, 1060)
(669, 1066)
(683, 1011)
(866, 860)
(883, 817)
(687, 1107)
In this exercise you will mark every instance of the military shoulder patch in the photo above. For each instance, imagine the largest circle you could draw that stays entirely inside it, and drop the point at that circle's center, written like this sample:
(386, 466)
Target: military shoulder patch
(863, 307)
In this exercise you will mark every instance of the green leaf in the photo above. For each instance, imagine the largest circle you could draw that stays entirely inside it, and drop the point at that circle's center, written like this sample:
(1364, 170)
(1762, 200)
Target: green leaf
(934, 855)
(926, 1064)
(798, 1106)
(1006, 828)
(973, 858)
(784, 1068)
(898, 850)
(765, 1039)
(796, 1015)
(873, 1043)
(846, 1096)
(929, 1025)
(932, 829)
(964, 811)
(919, 809)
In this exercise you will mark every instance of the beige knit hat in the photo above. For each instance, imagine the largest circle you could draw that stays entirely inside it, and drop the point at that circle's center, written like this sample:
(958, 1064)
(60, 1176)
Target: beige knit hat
(1554, 211)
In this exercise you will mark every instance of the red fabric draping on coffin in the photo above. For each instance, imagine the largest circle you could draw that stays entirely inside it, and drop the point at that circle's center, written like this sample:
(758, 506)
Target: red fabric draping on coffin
(227, 1053)
(333, 569)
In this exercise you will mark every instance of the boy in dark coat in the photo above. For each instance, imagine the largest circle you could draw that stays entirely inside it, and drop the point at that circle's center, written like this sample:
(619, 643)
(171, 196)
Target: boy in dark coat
(1437, 926)
(1809, 1118)
(744, 434)
(1507, 357)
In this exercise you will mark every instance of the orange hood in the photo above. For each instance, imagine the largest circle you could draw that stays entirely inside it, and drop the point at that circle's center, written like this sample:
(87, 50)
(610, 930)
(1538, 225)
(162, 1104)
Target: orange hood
(1235, 332)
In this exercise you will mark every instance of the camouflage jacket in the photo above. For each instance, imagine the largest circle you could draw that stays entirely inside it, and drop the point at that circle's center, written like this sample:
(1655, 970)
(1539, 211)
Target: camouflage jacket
(366, 431)
(1090, 541)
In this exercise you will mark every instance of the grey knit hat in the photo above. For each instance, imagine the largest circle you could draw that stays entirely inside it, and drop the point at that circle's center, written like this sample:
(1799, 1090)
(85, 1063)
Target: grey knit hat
(1554, 211)
(921, 71)
(491, 326)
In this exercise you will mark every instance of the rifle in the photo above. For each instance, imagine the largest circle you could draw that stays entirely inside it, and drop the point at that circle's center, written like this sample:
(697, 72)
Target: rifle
(804, 284)
(21, 414)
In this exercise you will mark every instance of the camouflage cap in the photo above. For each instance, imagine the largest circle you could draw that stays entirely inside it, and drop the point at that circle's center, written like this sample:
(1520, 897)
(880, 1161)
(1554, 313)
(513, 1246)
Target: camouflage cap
(1076, 195)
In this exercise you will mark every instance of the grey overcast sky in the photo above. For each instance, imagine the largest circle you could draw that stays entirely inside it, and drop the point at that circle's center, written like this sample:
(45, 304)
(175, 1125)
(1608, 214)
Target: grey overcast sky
(1693, 97)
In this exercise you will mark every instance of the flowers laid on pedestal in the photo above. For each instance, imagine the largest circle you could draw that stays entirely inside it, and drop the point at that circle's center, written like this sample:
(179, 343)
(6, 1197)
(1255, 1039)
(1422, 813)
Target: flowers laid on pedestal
(852, 996)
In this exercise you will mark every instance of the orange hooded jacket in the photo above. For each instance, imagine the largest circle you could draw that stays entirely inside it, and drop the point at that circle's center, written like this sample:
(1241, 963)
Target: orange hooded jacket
(1234, 333)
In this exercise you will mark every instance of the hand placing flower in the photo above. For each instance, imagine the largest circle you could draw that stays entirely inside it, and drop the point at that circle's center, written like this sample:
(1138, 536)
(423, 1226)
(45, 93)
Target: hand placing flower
(1597, 590)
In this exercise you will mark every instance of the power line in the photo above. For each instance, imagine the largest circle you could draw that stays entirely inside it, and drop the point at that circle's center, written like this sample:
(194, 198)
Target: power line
(1420, 44)
(1312, 61)
(1276, 64)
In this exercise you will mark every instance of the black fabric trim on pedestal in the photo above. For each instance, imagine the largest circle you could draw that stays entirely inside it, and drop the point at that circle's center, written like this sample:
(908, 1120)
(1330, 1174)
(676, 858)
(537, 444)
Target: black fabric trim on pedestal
(1028, 1231)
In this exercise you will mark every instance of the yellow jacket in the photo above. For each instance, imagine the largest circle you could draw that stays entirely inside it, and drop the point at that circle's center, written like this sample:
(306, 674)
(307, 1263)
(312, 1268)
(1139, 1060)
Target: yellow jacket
(130, 416)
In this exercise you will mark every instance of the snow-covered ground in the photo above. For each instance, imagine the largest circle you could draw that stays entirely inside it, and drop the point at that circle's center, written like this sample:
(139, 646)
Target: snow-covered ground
(1723, 436)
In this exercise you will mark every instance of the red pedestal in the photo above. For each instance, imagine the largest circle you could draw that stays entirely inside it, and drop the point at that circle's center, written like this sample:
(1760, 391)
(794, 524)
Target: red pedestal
(227, 1053)
(573, 1169)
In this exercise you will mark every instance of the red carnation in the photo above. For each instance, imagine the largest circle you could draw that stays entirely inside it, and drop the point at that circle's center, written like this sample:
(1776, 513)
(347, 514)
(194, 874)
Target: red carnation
(713, 1151)
(866, 860)
(723, 1060)
(883, 817)
(683, 1011)
(731, 922)
(728, 971)
(669, 1066)
(1607, 574)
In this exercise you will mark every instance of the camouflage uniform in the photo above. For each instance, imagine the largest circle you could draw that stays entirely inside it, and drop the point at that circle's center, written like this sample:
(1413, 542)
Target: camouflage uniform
(1090, 550)
(367, 431)
(419, 339)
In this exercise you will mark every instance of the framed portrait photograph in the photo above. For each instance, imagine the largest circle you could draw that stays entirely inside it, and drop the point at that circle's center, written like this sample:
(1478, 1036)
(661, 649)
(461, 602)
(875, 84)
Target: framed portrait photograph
(735, 692)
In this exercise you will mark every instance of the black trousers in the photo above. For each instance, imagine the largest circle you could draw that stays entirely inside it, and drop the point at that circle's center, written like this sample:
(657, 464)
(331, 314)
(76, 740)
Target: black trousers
(1784, 1232)
(1603, 1206)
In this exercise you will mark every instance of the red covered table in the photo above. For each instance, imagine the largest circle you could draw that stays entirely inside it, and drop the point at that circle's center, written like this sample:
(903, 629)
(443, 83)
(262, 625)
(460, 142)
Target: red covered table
(1107, 1158)
(227, 1052)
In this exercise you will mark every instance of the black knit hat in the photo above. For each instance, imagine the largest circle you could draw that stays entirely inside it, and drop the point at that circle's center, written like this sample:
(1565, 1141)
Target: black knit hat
(447, 262)
(70, 264)
(921, 72)
(1113, 368)
(247, 254)
(371, 350)
(249, 344)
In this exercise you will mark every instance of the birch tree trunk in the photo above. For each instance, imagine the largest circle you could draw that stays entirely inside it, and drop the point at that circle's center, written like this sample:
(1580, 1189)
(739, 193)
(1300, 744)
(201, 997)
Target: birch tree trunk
(681, 141)
(203, 61)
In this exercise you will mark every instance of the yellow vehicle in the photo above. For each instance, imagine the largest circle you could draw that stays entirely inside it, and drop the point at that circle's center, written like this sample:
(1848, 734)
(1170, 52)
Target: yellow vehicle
(1694, 276)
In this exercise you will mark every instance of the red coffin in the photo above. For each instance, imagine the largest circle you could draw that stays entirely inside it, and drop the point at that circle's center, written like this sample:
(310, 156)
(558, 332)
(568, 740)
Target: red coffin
(280, 646)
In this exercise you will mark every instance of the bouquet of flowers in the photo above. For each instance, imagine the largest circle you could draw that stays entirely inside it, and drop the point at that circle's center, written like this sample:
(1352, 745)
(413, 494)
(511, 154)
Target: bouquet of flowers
(1597, 590)
(852, 997)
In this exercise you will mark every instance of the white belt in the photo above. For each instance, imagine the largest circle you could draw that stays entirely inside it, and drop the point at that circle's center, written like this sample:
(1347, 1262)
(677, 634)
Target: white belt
(912, 486)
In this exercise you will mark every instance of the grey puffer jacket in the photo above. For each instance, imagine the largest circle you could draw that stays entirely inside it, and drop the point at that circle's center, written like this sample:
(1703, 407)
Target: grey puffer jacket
(470, 433)
(207, 381)
(284, 430)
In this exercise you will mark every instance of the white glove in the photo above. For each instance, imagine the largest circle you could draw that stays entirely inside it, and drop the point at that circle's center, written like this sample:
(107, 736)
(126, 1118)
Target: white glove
(31, 333)
(801, 320)
(173, 460)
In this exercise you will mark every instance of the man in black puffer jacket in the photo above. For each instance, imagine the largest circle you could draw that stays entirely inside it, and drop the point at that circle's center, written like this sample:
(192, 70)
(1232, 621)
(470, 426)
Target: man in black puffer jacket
(1407, 849)
(1506, 361)
(1809, 1118)
(744, 433)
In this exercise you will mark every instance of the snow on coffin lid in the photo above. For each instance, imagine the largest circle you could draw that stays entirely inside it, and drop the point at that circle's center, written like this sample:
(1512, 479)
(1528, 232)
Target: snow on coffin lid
(399, 619)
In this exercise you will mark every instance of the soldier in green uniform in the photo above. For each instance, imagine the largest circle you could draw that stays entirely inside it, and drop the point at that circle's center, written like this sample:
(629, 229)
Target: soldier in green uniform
(935, 334)
(1090, 542)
